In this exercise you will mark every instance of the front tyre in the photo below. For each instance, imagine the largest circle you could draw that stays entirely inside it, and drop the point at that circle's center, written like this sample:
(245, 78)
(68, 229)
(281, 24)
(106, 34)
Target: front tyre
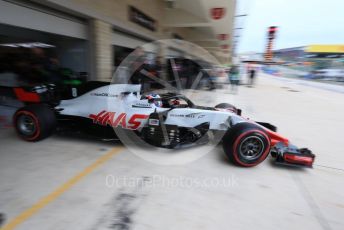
(34, 122)
(246, 144)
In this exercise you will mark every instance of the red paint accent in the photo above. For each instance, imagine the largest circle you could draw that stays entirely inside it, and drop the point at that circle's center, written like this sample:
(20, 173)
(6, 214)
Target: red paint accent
(273, 29)
(176, 102)
(217, 13)
(135, 124)
(120, 121)
(273, 136)
(222, 36)
(25, 96)
(35, 119)
(104, 119)
(295, 159)
(235, 146)
(123, 121)
(95, 117)
(276, 138)
(110, 118)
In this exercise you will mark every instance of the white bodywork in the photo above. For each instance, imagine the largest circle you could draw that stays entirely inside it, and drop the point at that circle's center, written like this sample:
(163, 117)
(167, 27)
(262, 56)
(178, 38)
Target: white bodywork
(106, 104)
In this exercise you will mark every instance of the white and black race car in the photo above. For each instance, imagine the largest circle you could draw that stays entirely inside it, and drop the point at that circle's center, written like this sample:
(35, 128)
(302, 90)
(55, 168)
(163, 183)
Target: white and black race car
(167, 120)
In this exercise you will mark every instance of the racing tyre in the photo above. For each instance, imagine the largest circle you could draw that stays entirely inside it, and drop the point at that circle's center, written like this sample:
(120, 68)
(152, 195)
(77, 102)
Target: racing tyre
(246, 144)
(34, 122)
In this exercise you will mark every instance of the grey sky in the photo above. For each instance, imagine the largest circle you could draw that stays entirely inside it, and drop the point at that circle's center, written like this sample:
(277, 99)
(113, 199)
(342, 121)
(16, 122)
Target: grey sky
(301, 22)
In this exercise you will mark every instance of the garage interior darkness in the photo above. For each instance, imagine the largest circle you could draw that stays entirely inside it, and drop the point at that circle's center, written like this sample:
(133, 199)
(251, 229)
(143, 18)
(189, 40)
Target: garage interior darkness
(71, 52)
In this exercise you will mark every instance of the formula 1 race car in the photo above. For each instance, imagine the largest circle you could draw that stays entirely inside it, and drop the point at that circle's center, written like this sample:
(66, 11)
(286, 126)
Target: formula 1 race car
(167, 120)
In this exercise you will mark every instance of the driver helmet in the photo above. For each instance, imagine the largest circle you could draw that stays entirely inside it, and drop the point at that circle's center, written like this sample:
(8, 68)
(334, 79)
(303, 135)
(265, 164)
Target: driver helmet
(157, 103)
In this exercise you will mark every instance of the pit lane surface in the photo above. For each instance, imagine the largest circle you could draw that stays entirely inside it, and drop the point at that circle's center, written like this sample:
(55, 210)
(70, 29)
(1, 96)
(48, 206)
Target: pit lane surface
(208, 193)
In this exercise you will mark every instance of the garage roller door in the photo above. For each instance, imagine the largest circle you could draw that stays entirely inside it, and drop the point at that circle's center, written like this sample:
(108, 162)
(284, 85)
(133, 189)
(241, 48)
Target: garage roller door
(120, 39)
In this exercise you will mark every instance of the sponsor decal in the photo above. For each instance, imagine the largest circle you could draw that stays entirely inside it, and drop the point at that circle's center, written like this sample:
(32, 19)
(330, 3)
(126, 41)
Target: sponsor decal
(142, 105)
(142, 19)
(177, 115)
(154, 122)
(190, 115)
(118, 120)
(103, 95)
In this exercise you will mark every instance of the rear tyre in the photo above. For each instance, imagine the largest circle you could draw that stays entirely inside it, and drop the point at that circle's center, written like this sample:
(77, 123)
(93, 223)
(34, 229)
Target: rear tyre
(34, 122)
(246, 144)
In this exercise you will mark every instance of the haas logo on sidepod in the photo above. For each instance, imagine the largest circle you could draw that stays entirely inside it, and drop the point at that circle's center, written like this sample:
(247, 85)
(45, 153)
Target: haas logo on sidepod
(109, 118)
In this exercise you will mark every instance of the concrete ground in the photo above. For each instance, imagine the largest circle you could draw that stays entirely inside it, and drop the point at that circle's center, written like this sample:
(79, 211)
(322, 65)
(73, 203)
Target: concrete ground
(68, 182)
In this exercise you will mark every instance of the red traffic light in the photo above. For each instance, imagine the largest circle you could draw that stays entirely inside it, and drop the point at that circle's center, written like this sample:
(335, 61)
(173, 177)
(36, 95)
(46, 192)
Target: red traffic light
(273, 29)
(272, 32)
(217, 13)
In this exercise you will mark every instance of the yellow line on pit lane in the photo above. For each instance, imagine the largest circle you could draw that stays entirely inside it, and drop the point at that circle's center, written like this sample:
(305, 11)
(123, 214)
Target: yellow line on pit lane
(60, 190)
